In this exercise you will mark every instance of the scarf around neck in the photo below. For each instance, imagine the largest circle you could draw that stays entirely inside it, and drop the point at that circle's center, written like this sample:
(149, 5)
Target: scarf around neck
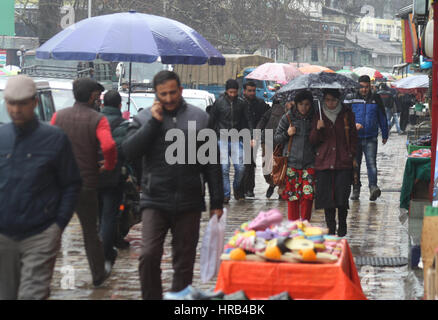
(332, 114)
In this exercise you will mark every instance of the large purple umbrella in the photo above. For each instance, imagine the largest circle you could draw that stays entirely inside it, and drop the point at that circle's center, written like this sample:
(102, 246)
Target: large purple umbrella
(279, 72)
(131, 37)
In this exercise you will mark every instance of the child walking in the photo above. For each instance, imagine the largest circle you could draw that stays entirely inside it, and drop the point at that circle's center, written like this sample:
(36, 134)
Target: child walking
(299, 186)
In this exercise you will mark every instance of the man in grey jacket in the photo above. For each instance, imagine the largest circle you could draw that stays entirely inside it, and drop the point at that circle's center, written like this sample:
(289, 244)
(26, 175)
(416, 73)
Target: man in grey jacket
(172, 194)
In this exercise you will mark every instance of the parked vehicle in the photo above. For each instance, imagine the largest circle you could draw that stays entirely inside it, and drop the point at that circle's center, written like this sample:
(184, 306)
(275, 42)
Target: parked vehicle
(141, 73)
(102, 71)
(264, 89)
(141, 100)
(213, 78)
(45, 108)
(199, 98)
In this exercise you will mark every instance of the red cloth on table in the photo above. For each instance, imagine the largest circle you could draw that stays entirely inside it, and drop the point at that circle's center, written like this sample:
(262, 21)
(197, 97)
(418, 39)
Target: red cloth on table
(260, 280)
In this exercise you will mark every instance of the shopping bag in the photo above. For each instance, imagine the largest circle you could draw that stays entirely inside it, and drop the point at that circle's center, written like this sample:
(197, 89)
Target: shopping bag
(212, 246)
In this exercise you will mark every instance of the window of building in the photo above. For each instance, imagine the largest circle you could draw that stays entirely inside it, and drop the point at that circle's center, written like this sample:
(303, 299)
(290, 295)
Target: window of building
(314, 53)
(379, 28)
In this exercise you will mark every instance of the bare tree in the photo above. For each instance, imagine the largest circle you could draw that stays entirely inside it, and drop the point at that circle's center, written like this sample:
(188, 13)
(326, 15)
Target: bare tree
(230, 25)
(49, 19)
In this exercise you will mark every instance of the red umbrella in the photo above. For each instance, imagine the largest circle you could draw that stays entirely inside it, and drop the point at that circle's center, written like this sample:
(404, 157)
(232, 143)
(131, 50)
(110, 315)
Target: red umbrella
(378, 75)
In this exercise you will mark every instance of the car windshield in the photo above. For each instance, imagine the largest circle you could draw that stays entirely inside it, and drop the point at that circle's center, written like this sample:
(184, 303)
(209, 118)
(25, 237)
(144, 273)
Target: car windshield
(197, 102)
(138, 103)
(4, 116)
(63, 98)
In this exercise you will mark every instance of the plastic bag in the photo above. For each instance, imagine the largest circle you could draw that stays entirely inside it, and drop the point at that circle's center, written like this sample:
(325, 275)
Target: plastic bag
(212, 246)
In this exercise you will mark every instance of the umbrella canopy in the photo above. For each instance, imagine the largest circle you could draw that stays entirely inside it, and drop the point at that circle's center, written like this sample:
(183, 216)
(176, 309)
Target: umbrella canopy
(349, 74)
(279, 72)
(388, 76)
(370, 72)
(413, 82)
(314, 69)
(315, 82)
(131, 37)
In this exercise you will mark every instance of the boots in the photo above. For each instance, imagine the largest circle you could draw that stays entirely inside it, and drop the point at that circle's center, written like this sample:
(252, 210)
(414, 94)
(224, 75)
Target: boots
(356, 193)
(374, 193)
(330, 219)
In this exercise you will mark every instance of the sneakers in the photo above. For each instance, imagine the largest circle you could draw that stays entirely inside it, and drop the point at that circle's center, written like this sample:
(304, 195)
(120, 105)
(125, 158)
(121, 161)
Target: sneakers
(270, 191)
(374, 193)
(226, 200)
(356, 193)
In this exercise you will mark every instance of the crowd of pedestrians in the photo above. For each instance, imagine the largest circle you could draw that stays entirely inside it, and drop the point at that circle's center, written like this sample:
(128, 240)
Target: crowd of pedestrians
(79, 164)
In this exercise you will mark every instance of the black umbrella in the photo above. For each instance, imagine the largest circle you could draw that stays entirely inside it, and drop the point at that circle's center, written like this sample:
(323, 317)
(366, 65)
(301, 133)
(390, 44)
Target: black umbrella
(316, 82)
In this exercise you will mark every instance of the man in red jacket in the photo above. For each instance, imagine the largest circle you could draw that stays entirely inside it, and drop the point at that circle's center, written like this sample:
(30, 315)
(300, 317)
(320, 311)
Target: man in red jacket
(89, 131)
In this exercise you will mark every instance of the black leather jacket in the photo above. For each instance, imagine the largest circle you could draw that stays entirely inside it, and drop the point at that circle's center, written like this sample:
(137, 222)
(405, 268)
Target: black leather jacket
(226, 114)
(172, 187)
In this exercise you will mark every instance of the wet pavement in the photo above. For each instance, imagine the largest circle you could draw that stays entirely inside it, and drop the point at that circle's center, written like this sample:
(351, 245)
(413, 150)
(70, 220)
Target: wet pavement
(374, 229)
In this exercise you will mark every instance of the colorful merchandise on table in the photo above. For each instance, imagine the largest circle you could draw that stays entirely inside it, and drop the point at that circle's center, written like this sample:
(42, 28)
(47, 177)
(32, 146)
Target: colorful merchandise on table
(268, 238)
(421, 153)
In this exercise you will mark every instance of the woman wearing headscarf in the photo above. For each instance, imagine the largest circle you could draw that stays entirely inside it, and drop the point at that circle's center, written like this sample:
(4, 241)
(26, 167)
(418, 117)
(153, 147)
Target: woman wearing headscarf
(334, 136)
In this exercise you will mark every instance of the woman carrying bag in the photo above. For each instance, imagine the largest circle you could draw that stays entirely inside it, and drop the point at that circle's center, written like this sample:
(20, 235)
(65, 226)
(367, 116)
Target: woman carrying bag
(299, 181)
(335, 137)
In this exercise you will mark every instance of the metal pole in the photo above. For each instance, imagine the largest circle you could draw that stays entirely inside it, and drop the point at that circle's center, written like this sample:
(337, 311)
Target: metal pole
(89, 8)
(434, 108)
(129, 88)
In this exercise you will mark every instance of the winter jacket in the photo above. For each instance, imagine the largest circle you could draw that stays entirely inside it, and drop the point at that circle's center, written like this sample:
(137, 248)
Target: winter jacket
(172, 187)
(370, 113)
(226, 114)
(302, 155)
(332, 151)
(119, 130)
(89, 132)
(271, 119)
(39, 179)
(388, 99)
(256, 109)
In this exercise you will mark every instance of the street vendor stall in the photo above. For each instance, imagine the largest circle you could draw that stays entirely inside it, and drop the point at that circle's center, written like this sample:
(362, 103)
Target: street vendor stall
(259, 280)
(268, 256)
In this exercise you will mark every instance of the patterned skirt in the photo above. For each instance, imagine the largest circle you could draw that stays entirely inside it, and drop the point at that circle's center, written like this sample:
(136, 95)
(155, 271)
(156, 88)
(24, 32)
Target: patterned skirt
(299, 184)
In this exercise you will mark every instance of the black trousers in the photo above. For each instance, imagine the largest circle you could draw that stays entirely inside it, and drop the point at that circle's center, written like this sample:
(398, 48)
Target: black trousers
(404, 118)
(185, 235)
(248, 180)
(330, 219)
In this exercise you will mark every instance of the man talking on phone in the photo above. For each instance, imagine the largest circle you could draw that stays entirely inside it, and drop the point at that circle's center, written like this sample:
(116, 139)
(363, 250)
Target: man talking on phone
(172, 194)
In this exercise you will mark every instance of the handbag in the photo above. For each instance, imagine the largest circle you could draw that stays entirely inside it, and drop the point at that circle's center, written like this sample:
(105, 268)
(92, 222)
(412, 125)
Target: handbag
(279, 162)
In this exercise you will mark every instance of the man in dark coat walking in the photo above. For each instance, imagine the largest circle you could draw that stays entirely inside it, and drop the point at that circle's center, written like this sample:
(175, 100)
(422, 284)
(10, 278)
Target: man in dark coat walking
(39, 185)
(172, 194)
(256, 108)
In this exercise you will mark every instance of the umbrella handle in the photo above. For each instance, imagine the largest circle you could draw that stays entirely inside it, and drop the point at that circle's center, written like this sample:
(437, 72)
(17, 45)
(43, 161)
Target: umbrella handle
(319, 107)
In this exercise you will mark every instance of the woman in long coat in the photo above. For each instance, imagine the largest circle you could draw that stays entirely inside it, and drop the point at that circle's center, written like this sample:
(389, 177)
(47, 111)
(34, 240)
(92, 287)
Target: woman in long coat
(335, 139)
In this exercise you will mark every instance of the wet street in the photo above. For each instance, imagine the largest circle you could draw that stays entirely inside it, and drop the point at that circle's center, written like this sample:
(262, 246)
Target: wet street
(374, 230)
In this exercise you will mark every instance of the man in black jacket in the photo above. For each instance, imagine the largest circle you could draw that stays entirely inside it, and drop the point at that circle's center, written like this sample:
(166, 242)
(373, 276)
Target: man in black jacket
(39, 185)
(257, 108)
(172, 194)
(231, 112)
